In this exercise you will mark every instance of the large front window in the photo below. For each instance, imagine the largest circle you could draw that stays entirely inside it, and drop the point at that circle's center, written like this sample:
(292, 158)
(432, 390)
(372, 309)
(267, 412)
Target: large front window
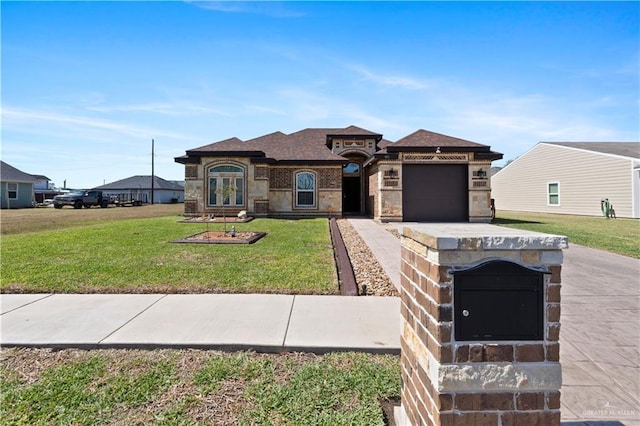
(226, 186)
(305, 189)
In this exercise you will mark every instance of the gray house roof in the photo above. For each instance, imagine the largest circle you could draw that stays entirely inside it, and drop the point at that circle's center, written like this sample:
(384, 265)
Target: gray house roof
(624, 149)
(9, 173)
(141, 182)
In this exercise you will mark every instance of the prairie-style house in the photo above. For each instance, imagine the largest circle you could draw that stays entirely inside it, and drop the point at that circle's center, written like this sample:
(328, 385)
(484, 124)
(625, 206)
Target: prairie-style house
(424, 176)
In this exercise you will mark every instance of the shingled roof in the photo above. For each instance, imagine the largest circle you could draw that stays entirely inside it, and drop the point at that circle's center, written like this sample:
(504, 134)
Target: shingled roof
(141, 183)
(426, 141)
(313, 145)
(307, 145)
(8, 173)
(623, 149)
(296, 147)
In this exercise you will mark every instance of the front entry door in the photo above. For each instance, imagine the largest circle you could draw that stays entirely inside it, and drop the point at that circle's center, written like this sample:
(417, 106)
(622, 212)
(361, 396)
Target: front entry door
(352, 189)
(351, 195)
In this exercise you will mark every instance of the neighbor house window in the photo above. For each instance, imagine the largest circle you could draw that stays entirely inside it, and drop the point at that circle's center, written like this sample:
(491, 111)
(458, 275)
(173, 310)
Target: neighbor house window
(226, 186)
(553, 193)
(12, 191)
(305, 189)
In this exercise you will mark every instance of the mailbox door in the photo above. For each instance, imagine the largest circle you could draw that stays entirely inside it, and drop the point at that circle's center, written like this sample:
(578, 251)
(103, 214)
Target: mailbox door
(499, 306)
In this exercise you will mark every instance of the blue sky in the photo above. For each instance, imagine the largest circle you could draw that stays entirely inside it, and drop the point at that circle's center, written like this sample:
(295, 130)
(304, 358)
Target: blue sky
(87, 85)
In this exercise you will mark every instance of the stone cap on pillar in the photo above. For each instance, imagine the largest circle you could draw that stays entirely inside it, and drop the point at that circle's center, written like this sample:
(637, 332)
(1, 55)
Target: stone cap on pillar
(480, 236)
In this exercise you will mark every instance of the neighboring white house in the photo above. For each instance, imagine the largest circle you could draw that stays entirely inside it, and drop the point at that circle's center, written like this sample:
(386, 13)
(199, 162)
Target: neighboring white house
(139, 188)
(571, 178)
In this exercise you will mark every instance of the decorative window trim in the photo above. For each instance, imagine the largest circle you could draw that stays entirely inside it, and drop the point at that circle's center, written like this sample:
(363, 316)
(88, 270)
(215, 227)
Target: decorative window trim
(233, 178)
(435, 158)
(555, 194)
(313, 191)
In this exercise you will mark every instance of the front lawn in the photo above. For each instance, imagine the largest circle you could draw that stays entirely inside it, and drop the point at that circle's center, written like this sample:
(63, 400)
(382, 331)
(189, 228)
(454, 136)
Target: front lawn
(135, 256)
(41, 386)
(620, 236)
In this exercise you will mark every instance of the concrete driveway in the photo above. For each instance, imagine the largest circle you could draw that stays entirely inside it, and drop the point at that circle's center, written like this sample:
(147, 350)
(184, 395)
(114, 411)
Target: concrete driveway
(600, 336)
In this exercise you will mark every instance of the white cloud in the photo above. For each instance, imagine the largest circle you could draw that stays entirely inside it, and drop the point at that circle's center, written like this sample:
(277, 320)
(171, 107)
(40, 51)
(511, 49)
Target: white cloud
(272, 9)
(165, 108)
(35, 121)
(395, 81)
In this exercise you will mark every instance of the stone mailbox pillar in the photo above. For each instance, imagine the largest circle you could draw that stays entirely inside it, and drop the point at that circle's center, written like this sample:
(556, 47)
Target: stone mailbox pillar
(481, 324)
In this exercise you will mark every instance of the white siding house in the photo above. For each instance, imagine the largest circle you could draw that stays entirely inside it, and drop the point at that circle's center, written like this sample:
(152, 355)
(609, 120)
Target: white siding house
(572, 178)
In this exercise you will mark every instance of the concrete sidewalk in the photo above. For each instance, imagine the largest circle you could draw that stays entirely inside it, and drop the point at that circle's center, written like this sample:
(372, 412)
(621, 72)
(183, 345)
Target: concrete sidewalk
(268, 323)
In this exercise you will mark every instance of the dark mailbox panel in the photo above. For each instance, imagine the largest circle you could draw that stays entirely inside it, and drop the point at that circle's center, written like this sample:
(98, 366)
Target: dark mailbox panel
(498, 300)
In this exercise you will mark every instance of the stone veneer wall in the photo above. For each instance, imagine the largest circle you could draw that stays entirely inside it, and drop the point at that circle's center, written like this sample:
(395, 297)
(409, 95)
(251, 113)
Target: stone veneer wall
(474, 383)
(269, 190)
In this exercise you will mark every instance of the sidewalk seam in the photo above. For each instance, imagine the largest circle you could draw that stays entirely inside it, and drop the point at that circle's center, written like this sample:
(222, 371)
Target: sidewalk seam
(131, 319)
(27, 304)
(286, 330)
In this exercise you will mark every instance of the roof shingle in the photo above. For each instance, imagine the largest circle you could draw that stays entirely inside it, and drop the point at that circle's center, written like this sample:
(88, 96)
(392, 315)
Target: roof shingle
(8, 173)
(426, 139)
(624, 149)
(313, 145)
(141, 183)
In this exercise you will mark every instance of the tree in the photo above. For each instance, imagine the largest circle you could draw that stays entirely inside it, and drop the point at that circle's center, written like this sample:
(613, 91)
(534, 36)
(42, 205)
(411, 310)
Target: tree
(225, 193)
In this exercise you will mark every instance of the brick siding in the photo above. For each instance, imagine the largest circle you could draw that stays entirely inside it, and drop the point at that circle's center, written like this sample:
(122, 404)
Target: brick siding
(427, 312)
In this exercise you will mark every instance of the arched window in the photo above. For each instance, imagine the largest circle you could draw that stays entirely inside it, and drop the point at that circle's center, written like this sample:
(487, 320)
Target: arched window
(305, 189)
(351, 169)
(226, 186)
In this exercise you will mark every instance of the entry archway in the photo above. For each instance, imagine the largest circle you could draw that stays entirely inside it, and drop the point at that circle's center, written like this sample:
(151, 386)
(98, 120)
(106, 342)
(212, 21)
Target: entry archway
(353, 186)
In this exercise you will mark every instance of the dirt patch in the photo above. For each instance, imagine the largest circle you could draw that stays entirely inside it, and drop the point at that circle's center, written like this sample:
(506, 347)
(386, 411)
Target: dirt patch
(220, 237)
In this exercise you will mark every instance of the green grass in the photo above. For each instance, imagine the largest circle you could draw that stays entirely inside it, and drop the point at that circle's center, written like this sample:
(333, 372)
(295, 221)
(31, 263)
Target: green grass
(194, 387)
(135, 255)
(620, 236)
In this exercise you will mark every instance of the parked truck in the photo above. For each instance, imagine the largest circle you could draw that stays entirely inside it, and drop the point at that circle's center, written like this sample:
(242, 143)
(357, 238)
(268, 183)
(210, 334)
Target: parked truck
(79, 199)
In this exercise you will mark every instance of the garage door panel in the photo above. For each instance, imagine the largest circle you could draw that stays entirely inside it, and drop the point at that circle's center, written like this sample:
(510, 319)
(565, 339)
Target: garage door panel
(435, 193)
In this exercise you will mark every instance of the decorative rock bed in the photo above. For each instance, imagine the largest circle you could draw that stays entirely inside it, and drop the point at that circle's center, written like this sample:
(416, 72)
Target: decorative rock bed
(218, 219)
(366, 267)
(220, 237)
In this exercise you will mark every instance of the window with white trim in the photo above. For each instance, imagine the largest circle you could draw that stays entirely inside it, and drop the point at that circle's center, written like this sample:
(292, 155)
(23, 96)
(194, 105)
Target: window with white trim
(226, 186)
(12, 190)
(553, 194)
(305, 189)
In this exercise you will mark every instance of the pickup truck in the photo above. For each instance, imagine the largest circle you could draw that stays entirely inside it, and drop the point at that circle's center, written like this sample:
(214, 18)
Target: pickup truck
(79, 199)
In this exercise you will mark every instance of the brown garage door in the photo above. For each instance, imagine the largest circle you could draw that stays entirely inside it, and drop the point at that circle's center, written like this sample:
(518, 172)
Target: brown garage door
(435, 193)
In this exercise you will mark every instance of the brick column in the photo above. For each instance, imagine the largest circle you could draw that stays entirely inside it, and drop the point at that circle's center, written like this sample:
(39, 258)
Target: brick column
(449, 382)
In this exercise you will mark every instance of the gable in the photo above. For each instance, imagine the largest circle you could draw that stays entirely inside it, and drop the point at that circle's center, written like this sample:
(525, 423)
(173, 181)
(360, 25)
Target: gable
(622, 149)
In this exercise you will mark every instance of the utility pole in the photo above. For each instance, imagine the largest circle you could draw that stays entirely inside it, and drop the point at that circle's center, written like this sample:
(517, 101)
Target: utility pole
(152, 170)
